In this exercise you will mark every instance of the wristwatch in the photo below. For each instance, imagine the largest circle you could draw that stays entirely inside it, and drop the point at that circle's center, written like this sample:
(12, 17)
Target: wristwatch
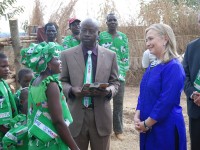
(147, 127)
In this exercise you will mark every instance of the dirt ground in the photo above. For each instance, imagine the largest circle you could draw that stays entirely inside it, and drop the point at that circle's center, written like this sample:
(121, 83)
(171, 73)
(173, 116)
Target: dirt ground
(131, 141)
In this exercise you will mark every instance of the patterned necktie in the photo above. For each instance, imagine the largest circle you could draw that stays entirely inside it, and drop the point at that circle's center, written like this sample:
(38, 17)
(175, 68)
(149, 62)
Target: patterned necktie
(87, 101)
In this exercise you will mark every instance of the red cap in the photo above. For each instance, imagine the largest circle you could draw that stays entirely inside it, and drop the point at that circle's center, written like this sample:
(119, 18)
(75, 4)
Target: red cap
(71, 20)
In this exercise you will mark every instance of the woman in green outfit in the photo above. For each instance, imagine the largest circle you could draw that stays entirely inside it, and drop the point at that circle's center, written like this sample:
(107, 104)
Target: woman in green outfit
(48, 113)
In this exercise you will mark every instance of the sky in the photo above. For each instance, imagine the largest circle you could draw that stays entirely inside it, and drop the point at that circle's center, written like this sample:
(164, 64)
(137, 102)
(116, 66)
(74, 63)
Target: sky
(83, 9)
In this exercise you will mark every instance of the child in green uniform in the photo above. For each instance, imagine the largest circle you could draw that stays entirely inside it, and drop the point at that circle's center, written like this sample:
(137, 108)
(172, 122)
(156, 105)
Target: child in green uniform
(25, 76)
(7, 104)
(18, 125)
(48, 113)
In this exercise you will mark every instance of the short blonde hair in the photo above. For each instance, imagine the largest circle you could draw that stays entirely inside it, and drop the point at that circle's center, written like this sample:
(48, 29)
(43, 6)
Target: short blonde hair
(170, 47)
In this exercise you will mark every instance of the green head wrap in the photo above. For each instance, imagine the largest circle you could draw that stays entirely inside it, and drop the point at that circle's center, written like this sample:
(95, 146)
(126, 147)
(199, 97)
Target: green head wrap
(37, 56)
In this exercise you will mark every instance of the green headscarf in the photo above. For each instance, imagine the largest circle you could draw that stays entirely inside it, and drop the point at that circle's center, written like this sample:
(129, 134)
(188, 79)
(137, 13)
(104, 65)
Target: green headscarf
(37, 56)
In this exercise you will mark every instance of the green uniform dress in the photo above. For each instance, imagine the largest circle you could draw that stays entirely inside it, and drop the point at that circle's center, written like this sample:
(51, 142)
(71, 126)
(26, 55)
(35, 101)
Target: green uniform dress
(42, 133)
(119, 45)
(17, 137)
(69, 42)
(8, 107)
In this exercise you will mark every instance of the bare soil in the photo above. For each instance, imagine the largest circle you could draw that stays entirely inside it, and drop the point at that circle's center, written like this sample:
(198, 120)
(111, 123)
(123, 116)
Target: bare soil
(131, 141)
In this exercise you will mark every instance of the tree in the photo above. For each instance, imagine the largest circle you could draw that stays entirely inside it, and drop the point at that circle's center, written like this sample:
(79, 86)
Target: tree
(182, 18)
(62, 15)
(105, 8)
(9, 4)
(37, 14)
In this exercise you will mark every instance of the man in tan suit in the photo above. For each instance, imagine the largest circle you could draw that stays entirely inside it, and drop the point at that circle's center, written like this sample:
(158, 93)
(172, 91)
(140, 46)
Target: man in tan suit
(93, 122)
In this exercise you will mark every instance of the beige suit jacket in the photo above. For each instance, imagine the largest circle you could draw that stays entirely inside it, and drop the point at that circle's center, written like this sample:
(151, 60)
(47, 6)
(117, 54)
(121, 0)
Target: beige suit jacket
(72, 75)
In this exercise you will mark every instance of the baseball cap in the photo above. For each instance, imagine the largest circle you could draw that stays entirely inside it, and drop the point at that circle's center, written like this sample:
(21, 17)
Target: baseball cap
(73, 20)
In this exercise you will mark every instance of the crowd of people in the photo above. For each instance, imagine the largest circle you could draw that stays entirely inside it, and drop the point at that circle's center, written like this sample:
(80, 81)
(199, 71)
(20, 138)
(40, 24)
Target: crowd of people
(51, 111)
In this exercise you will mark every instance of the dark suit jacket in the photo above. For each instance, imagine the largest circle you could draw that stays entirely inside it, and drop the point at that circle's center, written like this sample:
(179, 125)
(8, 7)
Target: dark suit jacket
(191, 64)
(72, 75)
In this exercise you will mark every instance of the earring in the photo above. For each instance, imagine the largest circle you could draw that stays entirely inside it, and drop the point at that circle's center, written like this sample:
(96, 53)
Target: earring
(50, 71)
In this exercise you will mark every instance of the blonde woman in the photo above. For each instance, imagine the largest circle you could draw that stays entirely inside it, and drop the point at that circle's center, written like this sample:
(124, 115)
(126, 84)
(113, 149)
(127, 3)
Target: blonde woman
(159, 117)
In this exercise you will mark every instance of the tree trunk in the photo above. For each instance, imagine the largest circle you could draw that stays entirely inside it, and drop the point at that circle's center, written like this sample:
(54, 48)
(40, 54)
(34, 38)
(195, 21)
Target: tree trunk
(15, 44)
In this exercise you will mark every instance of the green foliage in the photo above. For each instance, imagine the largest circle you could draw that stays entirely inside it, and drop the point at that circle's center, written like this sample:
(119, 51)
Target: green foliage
(7, 4)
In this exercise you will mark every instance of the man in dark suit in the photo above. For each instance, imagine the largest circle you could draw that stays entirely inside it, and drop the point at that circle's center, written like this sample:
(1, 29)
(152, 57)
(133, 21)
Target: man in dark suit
(191, 64)
(93, 122)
